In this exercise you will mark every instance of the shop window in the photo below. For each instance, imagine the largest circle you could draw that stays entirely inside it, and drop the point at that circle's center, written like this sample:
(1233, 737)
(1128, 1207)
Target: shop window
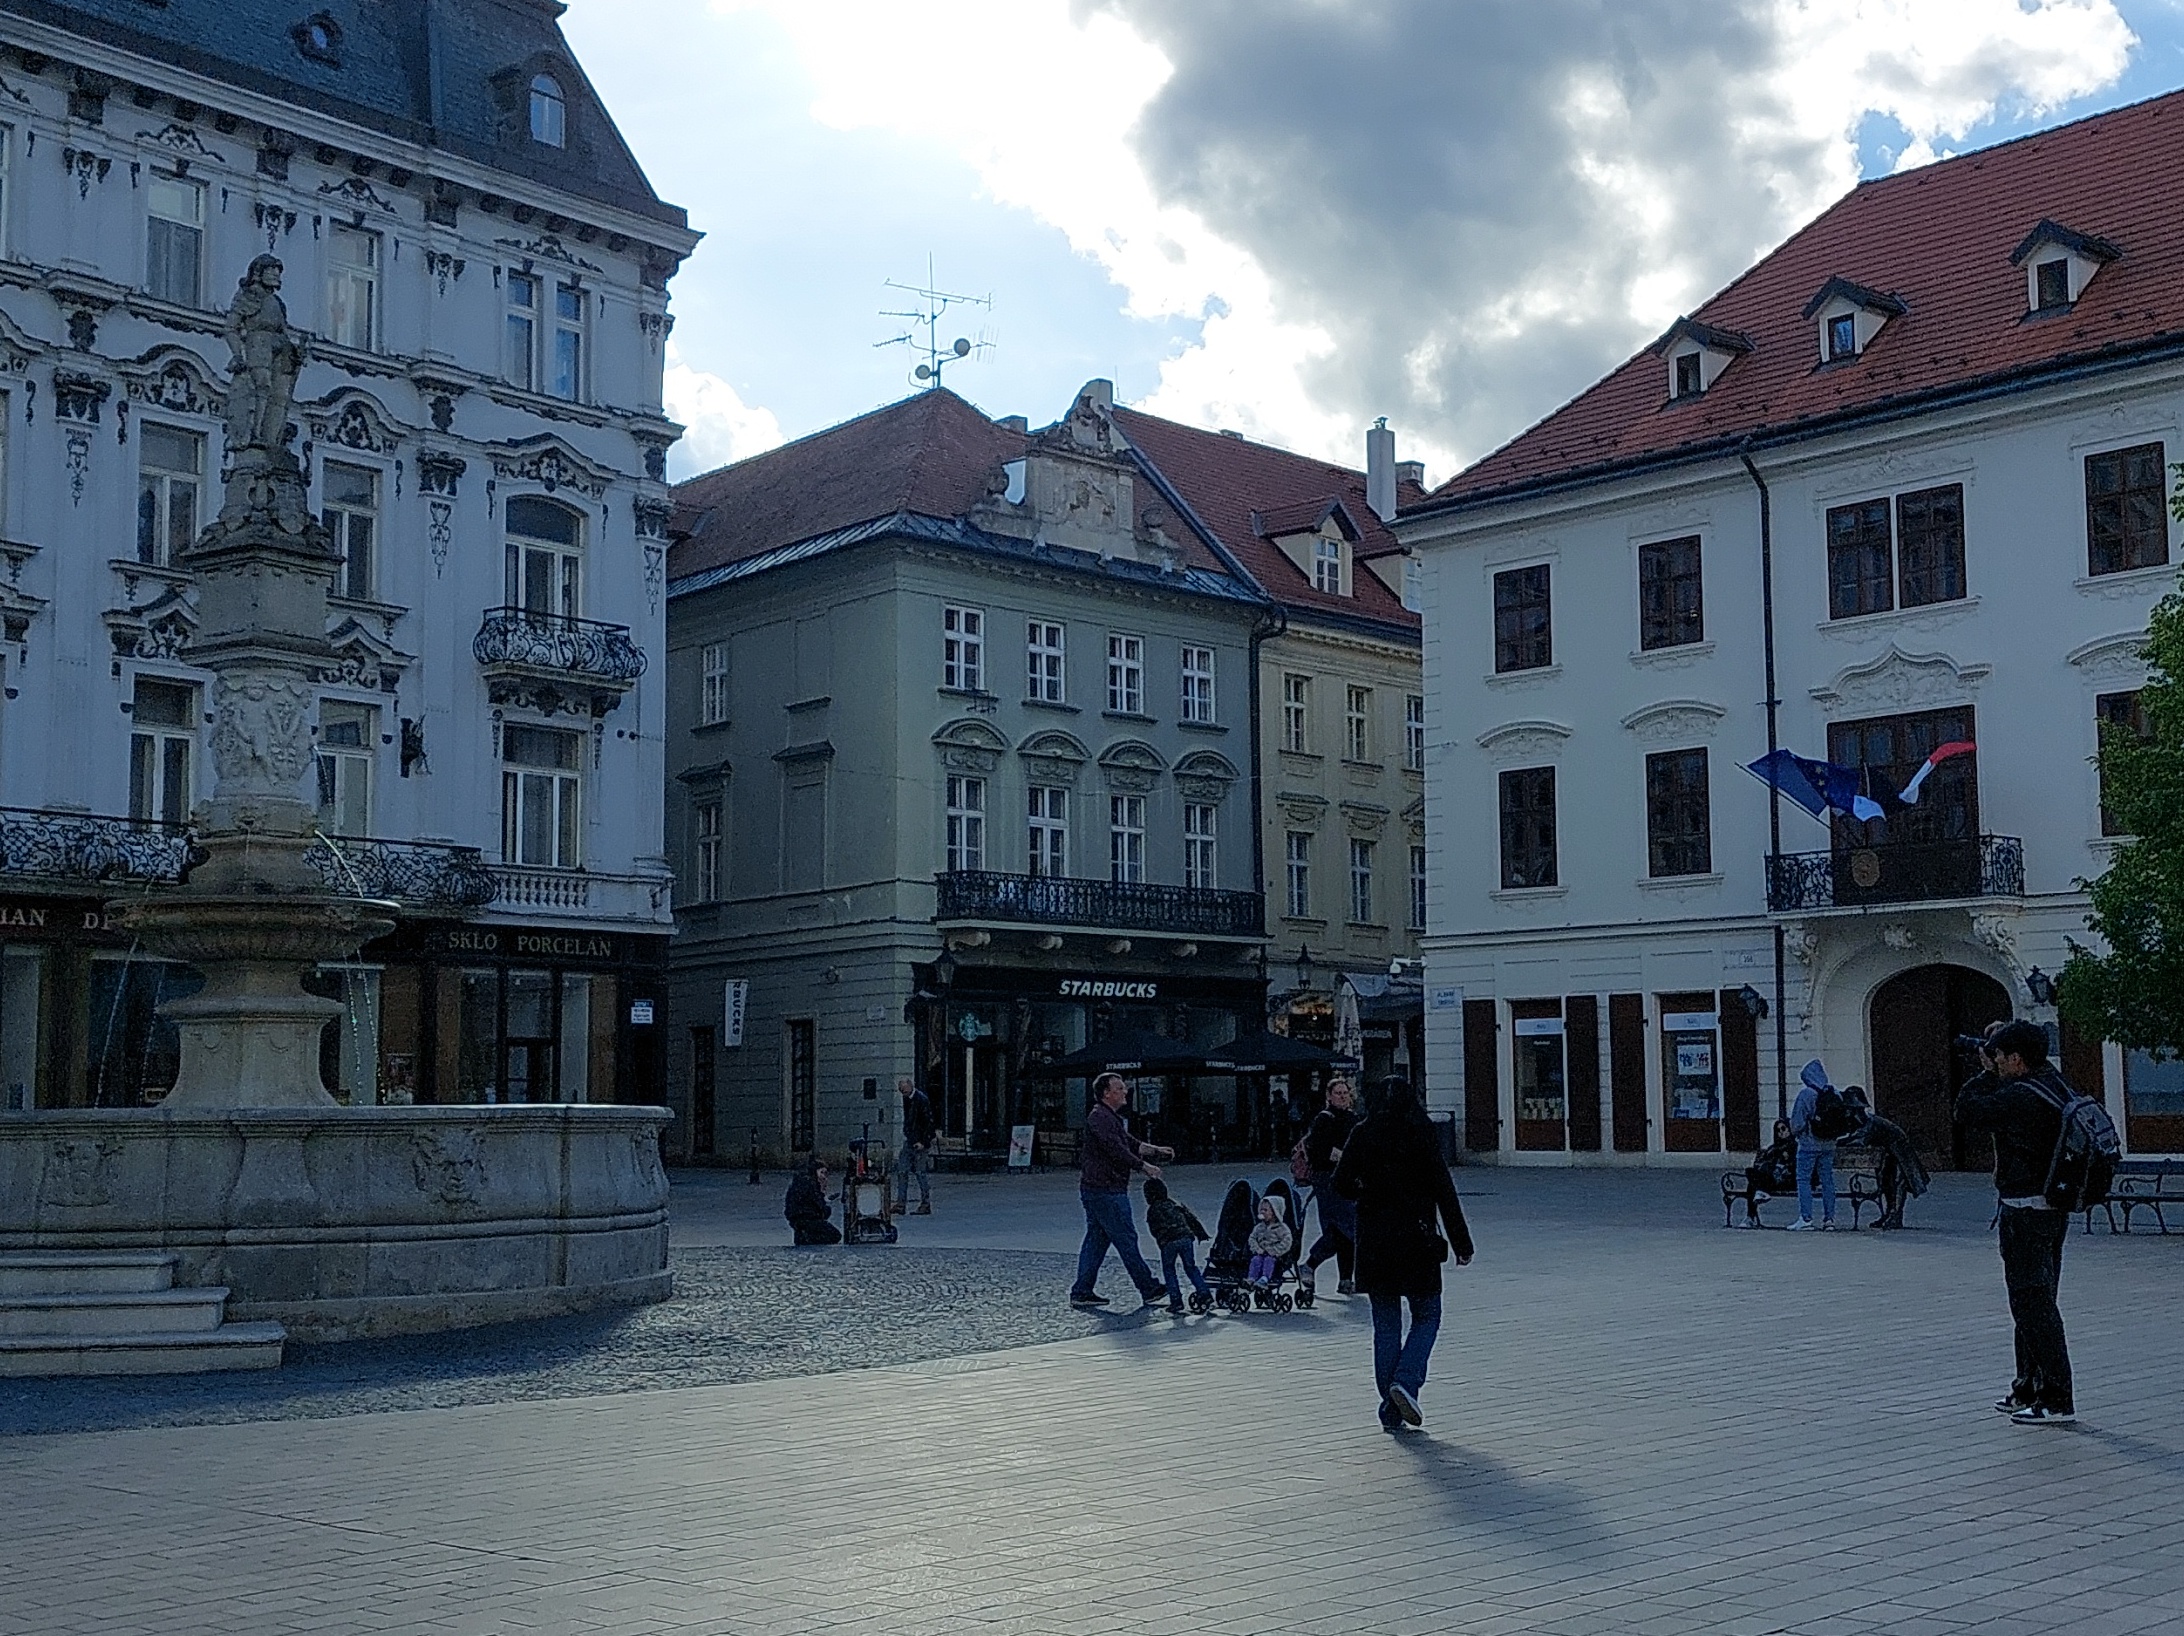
(162, 750)
(1361, 882)
(966, 823)
(1200, 867)
(1679, 839)
(1414, 732)
(135, 1053)
(707, 849)
(1126, 675)
(1691, 1073)
(351, 515)
(174, 243)
(2153, 1103)
(1046, 670)
(2117, 713)
(803, 1087)
(1299, 858)
(1523, 619)
(1671, 594)
(352, 287)
(1126, 839)
(22, 982)
(2126, 509)
(543, 558)
(1417, 888)
(1197, 684)
(525, 1036)
(712, 684)
(348, 741)
(1049, 830)
(1540, 1075)
(541, 797)
(1296, 714)
(1357, 724)
(962, 649)
(1528, 828)
(170, 479)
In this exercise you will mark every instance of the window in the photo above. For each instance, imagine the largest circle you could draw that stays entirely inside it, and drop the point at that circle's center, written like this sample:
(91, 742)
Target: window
(1843, 335)
(1357, 724)
(1859, 580)
(1296, 710)
(1414, 732)
(1679, 839)
(803, 1066)
(351, 515)
(1197, 684)
(566, 378)
(1299, 854)
(1327, 566)
(348, 738)
(1891, 749)
(549, 112)
(1045, 662)
(1361, 882)
(1671, 595)
(7, 189)
(541, 797)
(2051, 285)
(1199, 862)
(712, 684)
(1049, 835)
(2117, 713)
(1930, 545)
(1414, 582)
(1523, 620)
(1528, 828)
(962, 649)
(2126, 510)
(162, 745)
(1126, 675)
(170, 474)
(1126, 838)
(521, 364)
(352, 287)
(707, 850)
(174, 240)
(1690, 375)
(1418, 888)
(966, 823)
(544, 559)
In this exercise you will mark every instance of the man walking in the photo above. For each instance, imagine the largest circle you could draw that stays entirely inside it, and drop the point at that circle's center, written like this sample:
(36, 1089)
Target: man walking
(1108, 1156)
(2019, 1100)
(1323, 1143)
(1816, 1135)
(916, 1157)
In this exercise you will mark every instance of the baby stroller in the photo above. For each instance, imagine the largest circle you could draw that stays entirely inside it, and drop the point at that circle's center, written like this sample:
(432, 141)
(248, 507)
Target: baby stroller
(1227, 1266)
(866, 1216)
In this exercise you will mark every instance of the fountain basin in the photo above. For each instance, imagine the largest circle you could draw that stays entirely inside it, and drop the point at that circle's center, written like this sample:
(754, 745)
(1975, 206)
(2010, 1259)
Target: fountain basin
(348, 1222)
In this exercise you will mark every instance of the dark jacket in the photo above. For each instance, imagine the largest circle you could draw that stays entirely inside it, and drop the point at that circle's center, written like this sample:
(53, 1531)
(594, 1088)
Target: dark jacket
(917, 1120)
(1392, 1166)
(1774, 1169)
(1893, 1143)
(806, 1204)
(1109, 1153)
(2024, 1122)
(1169, 1221)
(1330, 1129)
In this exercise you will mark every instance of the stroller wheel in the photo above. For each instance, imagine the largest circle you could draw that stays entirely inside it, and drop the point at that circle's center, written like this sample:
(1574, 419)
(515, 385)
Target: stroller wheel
(1200, 1303)
(1283, 1303)
(1304, 1295)
(1239, 1301)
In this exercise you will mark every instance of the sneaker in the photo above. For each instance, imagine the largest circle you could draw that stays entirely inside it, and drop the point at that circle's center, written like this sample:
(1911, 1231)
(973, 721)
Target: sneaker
(921, 1210)
(1800, 1225)
(1175, 1309)
(1405, 1406)
(1828, 1226)
(2010, 1404)
(1391, 1423)
(1347, 1287)
(1153, 1297)
(2035, 1415)
(1088, 1303)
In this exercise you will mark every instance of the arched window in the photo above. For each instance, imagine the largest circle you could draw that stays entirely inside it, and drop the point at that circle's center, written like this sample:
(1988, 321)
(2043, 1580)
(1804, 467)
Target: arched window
(549, 112)
(545, 557)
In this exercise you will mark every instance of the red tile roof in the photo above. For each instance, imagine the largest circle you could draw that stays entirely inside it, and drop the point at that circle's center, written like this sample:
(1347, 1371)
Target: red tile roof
(1939, 239)
(931, 453)
(1236, 487)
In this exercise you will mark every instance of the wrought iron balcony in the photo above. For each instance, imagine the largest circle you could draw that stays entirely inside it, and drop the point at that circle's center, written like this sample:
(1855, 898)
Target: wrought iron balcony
(1049, 900)
(1985, 866)
(416, 874)
(539, 657)
(82, 847)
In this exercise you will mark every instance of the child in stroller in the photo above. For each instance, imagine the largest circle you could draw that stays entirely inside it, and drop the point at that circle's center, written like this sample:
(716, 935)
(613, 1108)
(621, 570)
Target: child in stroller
(1229, 1267)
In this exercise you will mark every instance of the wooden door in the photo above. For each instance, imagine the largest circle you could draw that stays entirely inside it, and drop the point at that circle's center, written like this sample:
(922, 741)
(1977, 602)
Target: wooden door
(1690, 1074)
(1627, 1070)
(1913, 1020)
(1482, 1078)
(1581, 1051)
(1739, 1074)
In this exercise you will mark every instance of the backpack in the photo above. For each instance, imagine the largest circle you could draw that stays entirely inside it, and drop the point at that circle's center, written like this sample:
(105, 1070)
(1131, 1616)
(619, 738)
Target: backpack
(1300, 1162)
(2086, 1150)
(1831, 1116)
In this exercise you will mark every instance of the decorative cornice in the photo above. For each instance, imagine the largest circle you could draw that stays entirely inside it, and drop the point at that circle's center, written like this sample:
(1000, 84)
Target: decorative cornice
(1519, 740)
(1675, 718)
(1898, 678)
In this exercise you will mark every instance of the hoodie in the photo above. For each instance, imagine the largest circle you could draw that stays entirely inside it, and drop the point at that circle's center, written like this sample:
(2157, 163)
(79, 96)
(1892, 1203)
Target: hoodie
(1813, 1078)
(1272, 1237)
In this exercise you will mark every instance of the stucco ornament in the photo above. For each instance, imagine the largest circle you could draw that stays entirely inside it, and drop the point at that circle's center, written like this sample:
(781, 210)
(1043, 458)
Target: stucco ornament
(261, 740)
(266, 357)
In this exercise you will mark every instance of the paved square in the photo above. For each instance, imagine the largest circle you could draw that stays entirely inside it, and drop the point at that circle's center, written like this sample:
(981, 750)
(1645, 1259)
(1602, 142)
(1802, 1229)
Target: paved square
(1637, 1422)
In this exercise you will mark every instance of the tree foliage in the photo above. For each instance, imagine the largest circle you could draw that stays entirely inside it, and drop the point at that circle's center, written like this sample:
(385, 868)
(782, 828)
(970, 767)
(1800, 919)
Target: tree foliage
(2134, 993)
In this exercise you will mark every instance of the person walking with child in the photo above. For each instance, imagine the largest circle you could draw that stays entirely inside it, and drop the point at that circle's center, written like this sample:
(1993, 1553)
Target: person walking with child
(1177, 1231)
(1269, 1242)
(1108, 1155)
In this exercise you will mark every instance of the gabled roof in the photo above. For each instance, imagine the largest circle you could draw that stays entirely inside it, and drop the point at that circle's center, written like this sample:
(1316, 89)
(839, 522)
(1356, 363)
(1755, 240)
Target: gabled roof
(1721, 340)
(1941, 238)
(1234, 486)
(930, 454)
(1858, 295)
(2085, 244)
(1305, 517)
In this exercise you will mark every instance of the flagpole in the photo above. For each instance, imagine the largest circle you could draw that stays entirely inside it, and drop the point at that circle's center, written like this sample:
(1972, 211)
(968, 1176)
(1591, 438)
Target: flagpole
(1774, 794)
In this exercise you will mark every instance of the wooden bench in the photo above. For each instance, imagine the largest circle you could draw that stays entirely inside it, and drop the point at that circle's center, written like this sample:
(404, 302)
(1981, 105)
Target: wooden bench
(2141, 1184)
(1857, 1183)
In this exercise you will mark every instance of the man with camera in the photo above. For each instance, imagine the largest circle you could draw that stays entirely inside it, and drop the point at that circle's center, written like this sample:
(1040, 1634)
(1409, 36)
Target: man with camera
(2019, 1100)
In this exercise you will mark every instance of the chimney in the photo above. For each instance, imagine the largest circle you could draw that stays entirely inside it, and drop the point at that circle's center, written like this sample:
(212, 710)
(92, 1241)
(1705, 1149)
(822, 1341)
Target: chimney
(1380, 470)
(1412, 472)
(1014, 423)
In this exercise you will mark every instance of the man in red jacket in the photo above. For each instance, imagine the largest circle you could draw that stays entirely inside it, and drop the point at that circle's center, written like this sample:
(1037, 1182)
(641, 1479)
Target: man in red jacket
(1107, 1157)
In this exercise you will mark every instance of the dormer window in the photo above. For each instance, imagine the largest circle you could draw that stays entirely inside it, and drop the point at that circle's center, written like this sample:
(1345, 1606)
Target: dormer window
(1327, 565)
(1842, 335)
(1697, 354)
(2059, 263)
(1850, 316)
(549, 112)
(1688, 367)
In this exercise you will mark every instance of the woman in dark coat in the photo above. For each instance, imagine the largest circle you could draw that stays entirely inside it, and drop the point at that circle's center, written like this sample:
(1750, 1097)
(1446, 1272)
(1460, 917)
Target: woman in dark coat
(1392, 1167)
(807, 1209)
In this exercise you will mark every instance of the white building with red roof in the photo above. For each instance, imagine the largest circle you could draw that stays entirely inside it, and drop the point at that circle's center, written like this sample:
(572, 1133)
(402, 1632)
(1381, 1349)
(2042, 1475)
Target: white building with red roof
(1906, 482)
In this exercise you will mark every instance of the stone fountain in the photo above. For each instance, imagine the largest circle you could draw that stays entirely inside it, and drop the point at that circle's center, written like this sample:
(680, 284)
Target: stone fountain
(336, 1221)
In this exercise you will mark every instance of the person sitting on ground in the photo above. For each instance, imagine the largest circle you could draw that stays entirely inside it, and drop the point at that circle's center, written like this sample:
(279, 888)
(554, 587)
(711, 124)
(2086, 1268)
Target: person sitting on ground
(1269, 1242)
(1903, 1175)
(1177, 1231)
(807, 1209)
(1772, 1172)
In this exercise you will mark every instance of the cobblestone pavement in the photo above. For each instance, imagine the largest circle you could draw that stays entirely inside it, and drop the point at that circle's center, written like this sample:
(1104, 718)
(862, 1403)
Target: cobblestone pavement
(1637, 1422)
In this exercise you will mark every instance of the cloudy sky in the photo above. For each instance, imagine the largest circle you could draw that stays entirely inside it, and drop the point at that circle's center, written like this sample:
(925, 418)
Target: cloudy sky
(1282, 216)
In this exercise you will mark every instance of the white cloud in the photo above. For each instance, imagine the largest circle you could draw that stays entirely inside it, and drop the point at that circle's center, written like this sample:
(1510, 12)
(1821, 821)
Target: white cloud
(718, 426)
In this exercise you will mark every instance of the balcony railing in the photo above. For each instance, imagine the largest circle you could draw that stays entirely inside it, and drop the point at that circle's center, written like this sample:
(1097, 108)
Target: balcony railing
(1986, 866)
(416, 874)
(559, 643)
(92, 847)
(1048, 900)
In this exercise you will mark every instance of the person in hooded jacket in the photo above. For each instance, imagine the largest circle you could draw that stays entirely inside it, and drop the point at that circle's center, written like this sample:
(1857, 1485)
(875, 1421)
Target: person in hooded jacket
(1392, 1166)
(807, 1210)
(1815, 1152)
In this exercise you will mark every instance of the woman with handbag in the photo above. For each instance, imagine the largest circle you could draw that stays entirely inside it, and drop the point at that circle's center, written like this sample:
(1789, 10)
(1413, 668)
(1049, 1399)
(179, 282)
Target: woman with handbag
(1392, 1166)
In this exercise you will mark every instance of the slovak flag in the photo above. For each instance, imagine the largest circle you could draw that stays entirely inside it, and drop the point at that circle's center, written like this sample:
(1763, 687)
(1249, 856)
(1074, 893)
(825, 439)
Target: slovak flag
(1955, 747)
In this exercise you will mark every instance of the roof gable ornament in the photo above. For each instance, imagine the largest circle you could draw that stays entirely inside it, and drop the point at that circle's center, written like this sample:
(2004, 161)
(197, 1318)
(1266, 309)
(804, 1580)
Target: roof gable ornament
(1850, 316)
(2059, 262)
(1697, 353)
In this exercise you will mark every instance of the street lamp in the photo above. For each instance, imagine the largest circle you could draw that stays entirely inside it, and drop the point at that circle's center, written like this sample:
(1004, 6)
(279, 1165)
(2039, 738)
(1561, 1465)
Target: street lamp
(1753, 1002)
(2040, 986)
(1304, 965)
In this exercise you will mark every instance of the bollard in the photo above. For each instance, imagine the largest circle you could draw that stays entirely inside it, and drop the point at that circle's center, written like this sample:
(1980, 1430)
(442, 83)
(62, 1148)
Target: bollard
(754, 1155)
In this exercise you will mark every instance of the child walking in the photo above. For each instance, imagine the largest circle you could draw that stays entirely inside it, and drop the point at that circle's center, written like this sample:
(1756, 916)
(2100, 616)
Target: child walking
(1269, 1242)
(1177, 1232)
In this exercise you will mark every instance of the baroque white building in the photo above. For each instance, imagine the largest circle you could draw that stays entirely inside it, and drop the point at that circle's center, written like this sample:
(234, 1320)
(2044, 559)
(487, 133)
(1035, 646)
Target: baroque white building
(482, 269)
(1906, 482)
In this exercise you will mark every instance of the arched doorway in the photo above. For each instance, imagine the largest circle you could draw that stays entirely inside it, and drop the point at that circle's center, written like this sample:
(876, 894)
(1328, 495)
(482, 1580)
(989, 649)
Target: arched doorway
(1913, 1020)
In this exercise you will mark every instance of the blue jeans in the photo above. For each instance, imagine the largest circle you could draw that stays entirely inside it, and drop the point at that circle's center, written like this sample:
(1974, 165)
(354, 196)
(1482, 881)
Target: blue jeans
(1399, 1360)
(909, 1162)
(1107, 1221)
(1181, 1252)
(1822, 1159)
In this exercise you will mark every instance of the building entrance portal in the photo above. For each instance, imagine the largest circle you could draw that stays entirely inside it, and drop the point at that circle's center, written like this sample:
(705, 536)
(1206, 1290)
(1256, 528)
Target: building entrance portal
(1913, 1019)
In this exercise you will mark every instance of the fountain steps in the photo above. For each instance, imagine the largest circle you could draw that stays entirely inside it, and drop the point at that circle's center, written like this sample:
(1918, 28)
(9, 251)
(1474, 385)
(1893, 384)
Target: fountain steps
(118, 1313)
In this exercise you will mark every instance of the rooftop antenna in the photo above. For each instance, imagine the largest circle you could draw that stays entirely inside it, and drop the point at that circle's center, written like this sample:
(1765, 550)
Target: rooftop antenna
(923, 334)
